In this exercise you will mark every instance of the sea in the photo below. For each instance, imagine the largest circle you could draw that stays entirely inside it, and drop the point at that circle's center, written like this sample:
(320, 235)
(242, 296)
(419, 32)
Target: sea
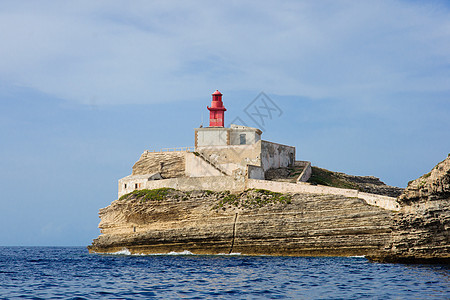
(73, 273)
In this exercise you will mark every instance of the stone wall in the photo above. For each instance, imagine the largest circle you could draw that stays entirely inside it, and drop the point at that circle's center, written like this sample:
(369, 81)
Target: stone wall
(213, 183)
(231, 158)
(135, 182)
(385, 202)
(198, 167)
(227, 183)
(275, 155)
(307, 170)
(255, 172)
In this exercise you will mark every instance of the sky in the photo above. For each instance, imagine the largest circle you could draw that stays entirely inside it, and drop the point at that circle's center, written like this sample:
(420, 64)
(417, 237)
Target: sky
(361, 87)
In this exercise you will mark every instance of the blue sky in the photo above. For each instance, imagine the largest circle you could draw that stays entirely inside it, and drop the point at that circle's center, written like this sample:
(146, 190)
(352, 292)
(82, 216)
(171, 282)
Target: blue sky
(86, 87)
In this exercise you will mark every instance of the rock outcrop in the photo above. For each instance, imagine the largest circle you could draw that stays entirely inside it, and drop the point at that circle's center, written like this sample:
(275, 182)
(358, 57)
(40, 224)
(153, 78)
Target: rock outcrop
(371, 185)
(367, 184)
(252, 222)
(168, 164)
(320, 176)
(421, 230)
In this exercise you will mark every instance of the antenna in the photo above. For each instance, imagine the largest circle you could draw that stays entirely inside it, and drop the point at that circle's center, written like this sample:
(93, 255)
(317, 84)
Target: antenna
(202, 118)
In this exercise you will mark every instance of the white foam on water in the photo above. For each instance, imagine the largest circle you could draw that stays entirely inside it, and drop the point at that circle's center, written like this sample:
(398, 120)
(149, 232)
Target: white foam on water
(124, 251)
(358, 256)
(185, 252)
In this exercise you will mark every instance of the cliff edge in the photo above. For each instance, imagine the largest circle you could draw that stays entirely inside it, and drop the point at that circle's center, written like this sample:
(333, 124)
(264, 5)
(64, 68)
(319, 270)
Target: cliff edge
(421, 229)
(252, 222)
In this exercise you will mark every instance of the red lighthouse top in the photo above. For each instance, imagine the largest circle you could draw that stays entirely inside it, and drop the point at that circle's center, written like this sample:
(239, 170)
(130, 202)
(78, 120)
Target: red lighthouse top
(217, 110)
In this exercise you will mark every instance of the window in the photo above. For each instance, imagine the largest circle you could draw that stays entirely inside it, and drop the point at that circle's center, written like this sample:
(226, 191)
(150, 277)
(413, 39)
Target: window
(242, 139)
(135, 186)
(125, 186)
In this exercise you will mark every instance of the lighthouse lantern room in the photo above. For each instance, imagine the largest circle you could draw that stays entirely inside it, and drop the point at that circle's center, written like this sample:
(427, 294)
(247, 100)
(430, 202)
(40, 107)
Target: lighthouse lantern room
(216, 111)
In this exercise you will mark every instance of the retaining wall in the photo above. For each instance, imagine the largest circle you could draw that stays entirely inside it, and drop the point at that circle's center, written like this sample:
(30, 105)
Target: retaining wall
(385, 202)
(307, 171)
(255, 172)
(227, 183)
(213, 183)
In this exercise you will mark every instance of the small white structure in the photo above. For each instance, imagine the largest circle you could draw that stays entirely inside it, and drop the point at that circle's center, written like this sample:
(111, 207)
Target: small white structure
(222, 136)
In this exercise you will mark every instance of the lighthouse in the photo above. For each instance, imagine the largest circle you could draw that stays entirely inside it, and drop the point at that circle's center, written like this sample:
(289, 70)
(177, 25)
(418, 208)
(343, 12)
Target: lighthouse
(216, 111)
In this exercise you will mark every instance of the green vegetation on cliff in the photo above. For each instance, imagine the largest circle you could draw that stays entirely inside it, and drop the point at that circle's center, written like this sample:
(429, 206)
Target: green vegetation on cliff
(252, 198)
(144, 195)
(324, 177)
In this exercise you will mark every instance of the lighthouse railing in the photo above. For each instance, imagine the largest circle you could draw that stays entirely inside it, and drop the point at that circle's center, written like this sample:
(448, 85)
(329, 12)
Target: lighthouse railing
(174, 149)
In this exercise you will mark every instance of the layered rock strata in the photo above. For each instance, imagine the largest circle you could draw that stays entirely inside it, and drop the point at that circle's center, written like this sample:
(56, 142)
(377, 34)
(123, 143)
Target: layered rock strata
(371, 185)
(168, 164)
(421, 230)
(252, 222)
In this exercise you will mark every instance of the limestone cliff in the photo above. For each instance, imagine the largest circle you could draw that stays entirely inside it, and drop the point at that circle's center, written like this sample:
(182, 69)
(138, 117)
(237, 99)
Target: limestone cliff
(252, 222)
(421, 230)
(168, 164)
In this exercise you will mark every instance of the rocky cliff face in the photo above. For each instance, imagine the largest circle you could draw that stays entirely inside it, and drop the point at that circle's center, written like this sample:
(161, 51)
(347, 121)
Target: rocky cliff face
(421, 230)
(252, 222)
(169, 164)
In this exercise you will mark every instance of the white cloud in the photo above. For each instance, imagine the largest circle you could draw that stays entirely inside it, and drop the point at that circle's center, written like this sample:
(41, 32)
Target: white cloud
(119, 52)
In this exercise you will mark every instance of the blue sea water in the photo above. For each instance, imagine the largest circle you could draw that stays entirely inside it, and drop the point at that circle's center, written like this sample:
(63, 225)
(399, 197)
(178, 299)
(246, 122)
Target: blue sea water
(72, 273)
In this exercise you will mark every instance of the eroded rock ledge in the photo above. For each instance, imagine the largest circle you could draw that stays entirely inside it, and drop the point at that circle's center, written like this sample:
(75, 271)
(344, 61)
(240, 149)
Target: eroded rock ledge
(253, 222)
(421, 230)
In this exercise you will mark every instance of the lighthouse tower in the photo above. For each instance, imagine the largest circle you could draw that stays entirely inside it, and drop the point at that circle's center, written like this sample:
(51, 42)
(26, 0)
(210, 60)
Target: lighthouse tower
(216, 111)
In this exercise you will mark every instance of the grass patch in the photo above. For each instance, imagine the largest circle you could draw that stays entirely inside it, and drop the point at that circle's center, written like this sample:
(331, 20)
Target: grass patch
(324, 177)
(274, 196)
(147, 195)
(253, 198)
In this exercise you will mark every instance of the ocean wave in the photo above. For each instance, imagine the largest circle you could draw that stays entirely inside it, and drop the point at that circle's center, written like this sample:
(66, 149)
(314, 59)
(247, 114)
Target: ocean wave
(125, 251)
(184, 252)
